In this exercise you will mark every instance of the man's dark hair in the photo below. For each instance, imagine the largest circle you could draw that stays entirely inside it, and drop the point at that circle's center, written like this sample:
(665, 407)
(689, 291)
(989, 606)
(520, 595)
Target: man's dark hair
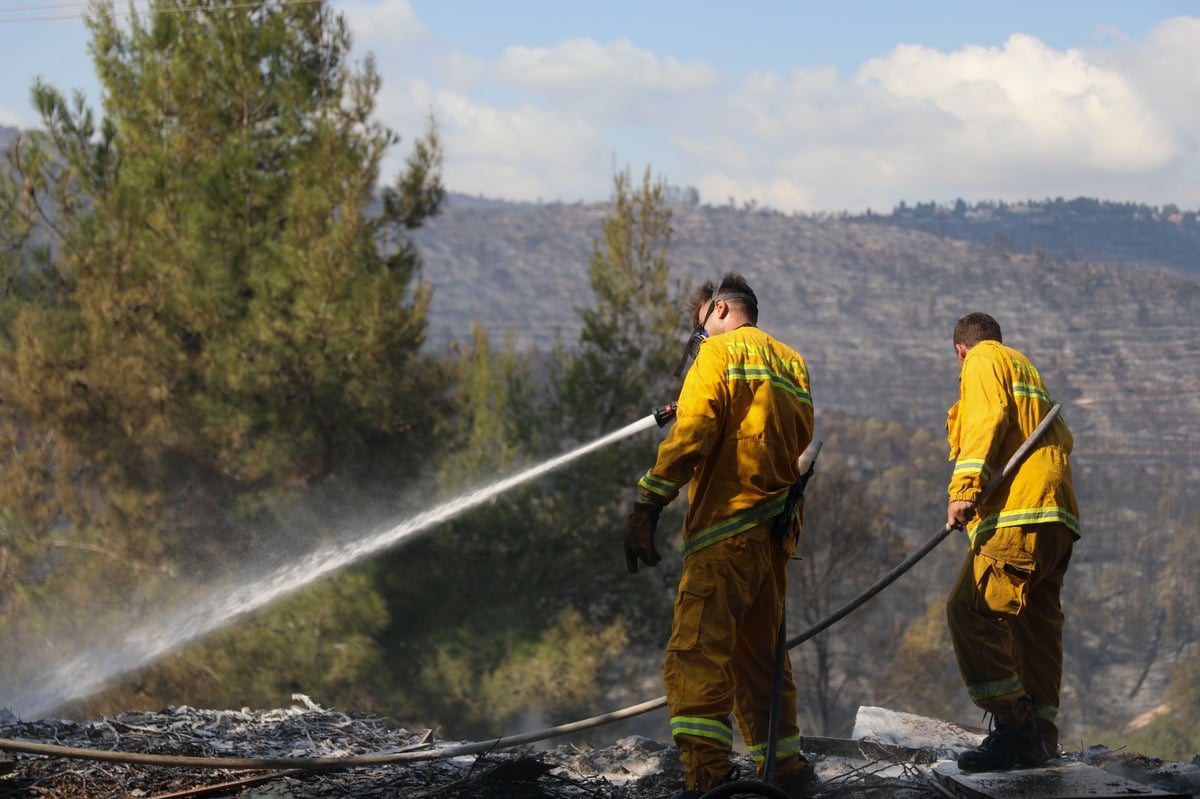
(699, 296)
(976, 327)
(733, 284)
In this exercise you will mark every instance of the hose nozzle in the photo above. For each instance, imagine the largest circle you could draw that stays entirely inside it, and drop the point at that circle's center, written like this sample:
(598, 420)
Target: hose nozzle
(665, 414)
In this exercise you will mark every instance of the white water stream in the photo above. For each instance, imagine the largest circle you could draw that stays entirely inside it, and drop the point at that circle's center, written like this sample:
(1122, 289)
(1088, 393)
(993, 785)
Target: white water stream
(89, 671)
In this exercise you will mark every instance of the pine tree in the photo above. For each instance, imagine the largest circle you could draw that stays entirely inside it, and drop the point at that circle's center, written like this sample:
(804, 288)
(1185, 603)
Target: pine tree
(221, 297)
(631, 338)
(631, 334)
(207, 307)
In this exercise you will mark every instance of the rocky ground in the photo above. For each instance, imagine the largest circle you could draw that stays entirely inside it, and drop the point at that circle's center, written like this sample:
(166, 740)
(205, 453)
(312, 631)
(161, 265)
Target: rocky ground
(631, 768)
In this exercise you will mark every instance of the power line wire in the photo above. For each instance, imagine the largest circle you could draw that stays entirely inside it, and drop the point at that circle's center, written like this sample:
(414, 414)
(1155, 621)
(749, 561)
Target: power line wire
(39, 7)
(144, 10)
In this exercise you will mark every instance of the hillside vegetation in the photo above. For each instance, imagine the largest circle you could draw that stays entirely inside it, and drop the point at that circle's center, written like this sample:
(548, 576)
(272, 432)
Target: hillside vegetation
(1082, 229)
(870, 305)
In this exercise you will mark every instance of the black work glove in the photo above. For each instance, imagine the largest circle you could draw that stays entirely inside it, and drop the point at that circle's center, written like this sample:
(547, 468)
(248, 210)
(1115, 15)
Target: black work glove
(639, 535)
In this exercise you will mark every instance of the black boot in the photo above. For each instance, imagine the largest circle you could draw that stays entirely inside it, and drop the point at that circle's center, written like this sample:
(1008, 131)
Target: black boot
(796, 777)
(696, 793)
(1007, 746)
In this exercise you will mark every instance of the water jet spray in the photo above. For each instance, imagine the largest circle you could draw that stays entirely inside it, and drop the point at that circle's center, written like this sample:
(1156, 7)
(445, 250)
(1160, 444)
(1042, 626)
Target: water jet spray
(99, 665)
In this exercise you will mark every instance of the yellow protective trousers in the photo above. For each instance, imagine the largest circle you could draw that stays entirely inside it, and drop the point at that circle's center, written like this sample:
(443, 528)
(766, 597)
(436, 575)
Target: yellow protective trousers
(1006, 622)
(720, 658)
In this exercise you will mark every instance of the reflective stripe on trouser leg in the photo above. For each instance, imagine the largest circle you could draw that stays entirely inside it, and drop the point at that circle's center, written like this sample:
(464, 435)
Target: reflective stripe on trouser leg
(1038, 630)
(982, 604)
(719, 731)
(755, 664)
(1005, 617)
(1046, 717)
(784, 748)
(714, 654)
(990, 692)
(704, 746)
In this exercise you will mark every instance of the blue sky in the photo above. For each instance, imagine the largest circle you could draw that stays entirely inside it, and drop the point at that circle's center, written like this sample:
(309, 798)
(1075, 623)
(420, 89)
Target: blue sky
(798, 106)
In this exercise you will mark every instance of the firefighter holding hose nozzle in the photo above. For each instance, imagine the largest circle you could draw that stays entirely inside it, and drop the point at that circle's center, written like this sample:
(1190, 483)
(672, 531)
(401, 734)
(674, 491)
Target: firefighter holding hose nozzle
(743, 418)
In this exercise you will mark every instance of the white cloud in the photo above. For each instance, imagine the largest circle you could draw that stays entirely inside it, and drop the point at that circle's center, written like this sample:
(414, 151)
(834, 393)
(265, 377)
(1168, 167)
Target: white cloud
(1018, 121)
(389, 22)
(1026, 102)
(1021, 121)
(617, 81)
(537, 123)
(520, 153)
(1166, 70)
(584, 65)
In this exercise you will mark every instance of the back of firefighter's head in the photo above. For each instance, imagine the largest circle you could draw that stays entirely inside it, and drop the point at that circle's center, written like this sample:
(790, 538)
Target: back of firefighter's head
(736, 292)
(733, 290)
(740, 307)
(976, 327)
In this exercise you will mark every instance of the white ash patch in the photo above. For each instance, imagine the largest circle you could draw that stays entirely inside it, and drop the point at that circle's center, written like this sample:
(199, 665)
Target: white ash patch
(897, 728)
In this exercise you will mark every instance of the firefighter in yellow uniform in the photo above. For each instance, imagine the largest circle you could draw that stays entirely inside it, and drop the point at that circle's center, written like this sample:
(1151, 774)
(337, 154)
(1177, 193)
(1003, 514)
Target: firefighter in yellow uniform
(744, 416)
(1004, 611)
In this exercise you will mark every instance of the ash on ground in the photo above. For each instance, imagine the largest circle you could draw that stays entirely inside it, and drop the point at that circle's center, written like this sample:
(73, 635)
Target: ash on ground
(892, 756)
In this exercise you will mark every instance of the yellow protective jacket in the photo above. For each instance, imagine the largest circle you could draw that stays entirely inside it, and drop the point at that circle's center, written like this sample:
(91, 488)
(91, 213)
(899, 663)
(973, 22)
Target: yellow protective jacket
(745, 414)
(1001, 400)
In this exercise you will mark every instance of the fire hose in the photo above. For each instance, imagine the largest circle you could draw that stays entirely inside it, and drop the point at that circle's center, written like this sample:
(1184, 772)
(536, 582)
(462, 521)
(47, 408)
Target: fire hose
(426, 750)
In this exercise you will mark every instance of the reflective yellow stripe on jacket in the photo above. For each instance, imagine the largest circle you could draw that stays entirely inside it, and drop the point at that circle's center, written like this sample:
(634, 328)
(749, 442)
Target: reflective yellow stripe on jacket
(745, 414)
(1001, 400)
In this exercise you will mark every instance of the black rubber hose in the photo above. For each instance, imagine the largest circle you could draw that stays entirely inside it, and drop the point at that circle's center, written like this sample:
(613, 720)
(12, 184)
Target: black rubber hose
(936, 539)
(746, 786)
